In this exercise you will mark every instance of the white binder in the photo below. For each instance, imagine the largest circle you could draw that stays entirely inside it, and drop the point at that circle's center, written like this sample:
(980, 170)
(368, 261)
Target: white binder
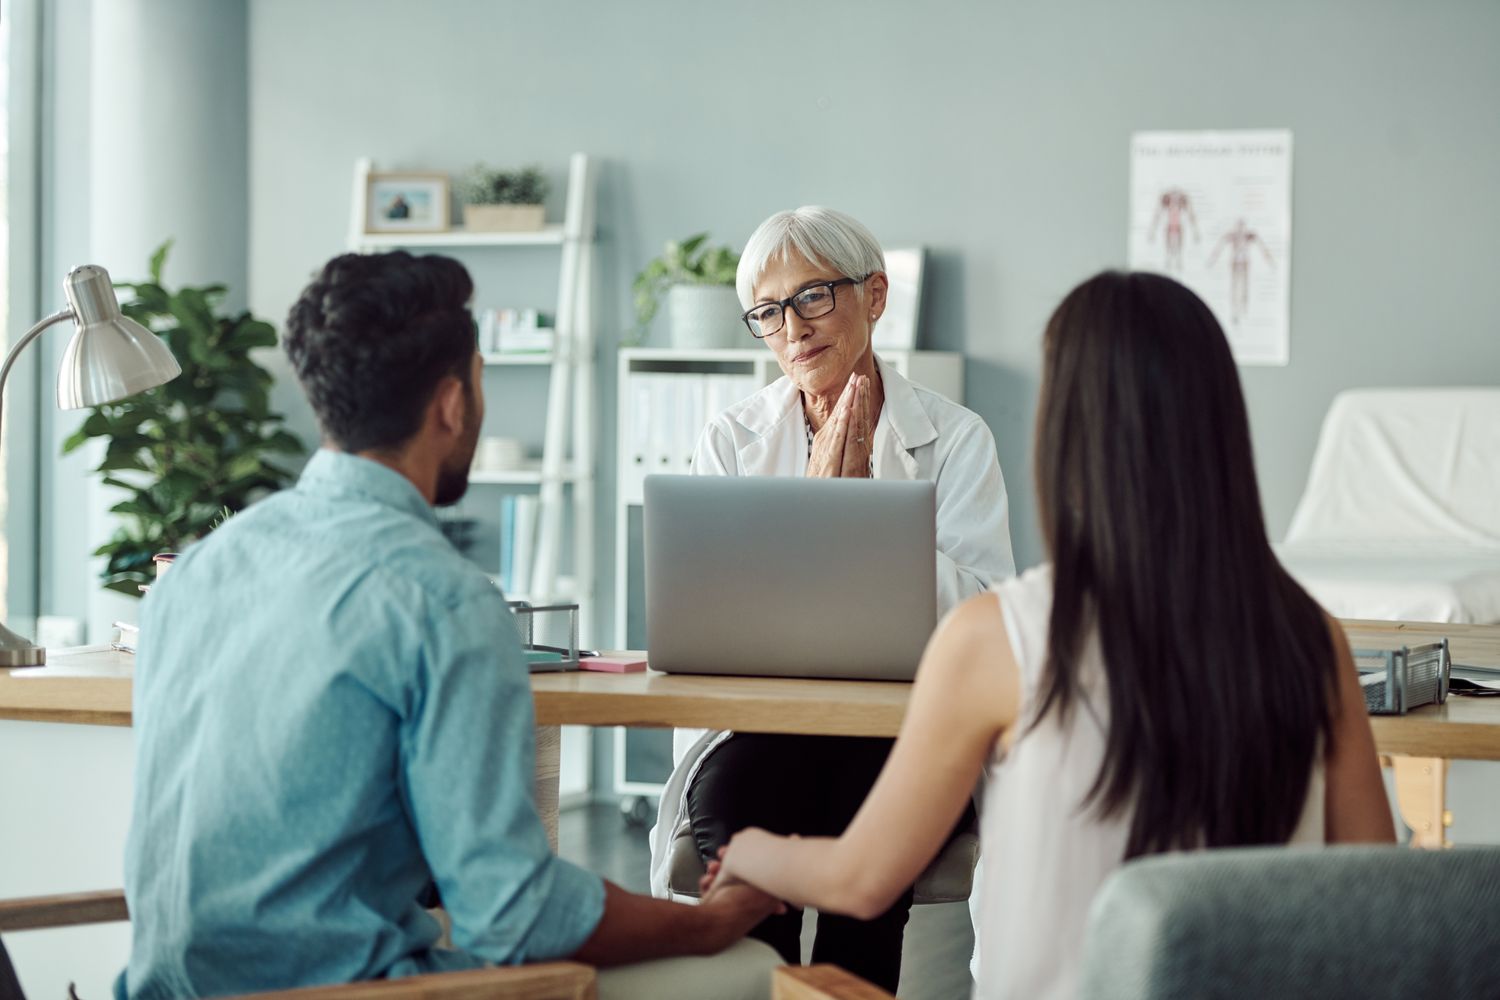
(635, 442)
(662, 456)
(692, 414)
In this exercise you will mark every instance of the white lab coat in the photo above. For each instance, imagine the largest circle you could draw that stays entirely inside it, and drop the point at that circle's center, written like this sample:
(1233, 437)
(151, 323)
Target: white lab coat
(919, 435)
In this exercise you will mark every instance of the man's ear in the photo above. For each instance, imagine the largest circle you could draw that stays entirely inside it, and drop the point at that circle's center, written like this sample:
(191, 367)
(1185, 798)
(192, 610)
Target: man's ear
(448, 405)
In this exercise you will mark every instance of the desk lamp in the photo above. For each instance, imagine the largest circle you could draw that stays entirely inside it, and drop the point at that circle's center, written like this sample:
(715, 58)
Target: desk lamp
(110, 357)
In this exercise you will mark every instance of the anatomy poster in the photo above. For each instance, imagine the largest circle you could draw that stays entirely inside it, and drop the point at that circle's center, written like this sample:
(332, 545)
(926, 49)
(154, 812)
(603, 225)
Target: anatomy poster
(1214, 211)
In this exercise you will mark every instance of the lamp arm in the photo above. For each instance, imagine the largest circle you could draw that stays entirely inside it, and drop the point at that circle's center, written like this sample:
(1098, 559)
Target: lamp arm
(16, 651)
(26, 338)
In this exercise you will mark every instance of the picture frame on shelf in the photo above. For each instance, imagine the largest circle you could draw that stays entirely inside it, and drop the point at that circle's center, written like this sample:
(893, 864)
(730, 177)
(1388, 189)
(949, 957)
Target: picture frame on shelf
(406, 202)
(897, 329)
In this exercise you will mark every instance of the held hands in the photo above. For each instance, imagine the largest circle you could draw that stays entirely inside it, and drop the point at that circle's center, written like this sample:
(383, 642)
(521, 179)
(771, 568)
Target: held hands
(739, 904)
(727, 870)
(842, 448)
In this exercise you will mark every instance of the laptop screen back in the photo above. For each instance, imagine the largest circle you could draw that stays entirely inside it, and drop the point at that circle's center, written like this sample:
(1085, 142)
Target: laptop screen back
(767, 576)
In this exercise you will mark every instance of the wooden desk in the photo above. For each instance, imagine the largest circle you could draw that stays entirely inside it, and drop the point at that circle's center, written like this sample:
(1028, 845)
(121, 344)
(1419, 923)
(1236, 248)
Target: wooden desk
(1418, 756)
(1461, 728)
(746, 704)
(94, 689)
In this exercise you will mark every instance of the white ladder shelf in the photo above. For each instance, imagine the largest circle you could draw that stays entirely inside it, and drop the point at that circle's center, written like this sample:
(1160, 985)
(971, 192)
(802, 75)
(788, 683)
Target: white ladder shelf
(565, 474)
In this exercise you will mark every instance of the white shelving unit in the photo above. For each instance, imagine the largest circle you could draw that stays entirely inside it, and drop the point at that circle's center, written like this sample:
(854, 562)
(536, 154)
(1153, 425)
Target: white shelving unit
(563, 478)
(518, 359)
(665, 399)
(457, 237)
(564, 475)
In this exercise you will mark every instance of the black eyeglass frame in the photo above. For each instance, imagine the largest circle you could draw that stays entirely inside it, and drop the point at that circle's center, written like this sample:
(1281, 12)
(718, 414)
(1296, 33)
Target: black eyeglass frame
(790, 302)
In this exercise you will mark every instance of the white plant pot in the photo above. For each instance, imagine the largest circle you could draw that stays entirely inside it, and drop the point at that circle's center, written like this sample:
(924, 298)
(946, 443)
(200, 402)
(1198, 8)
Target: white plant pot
(705, 317)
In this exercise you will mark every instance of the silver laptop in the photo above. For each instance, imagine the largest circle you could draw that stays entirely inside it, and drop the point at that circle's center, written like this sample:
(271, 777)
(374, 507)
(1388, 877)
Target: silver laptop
(785, 577)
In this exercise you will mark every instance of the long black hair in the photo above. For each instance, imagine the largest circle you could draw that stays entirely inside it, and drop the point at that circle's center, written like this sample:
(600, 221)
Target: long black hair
(1220, 668)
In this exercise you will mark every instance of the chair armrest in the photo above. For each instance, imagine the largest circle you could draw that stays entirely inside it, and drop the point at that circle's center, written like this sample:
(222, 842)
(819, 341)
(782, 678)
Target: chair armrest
(69, 910)
(821, 982)
(547, 981)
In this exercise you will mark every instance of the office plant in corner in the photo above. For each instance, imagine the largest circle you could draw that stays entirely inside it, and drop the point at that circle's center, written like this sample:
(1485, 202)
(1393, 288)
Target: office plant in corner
(197, 447)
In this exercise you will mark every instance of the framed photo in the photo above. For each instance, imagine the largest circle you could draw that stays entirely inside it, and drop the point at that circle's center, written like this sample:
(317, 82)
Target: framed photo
(406, 203)
(897, 329)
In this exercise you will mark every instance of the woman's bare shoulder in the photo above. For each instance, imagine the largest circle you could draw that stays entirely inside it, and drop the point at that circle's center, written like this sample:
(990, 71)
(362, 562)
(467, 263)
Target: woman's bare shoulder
(971, 652)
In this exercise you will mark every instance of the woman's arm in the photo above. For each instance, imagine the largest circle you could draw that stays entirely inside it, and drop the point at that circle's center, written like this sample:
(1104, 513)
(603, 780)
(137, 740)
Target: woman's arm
(966, 693)
(1355, 807)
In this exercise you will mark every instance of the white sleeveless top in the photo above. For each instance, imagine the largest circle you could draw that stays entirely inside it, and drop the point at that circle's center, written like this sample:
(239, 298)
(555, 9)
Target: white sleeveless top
(1044, 856)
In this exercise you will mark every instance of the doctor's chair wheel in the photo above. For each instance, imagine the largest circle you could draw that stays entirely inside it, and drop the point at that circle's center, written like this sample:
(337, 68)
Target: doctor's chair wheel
(636, 809)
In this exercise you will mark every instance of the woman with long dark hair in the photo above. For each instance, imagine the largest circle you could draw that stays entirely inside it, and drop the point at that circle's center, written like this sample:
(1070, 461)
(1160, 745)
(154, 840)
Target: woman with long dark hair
(1161, 684)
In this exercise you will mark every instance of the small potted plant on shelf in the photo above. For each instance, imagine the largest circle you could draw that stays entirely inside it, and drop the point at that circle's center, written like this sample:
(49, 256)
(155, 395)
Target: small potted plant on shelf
(697, 280)
(502, 201)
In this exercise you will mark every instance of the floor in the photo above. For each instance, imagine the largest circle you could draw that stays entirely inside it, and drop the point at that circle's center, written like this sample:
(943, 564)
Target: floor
(938, 937)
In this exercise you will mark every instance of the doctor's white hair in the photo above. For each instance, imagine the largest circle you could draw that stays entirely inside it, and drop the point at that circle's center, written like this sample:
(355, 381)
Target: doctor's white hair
(822, 235)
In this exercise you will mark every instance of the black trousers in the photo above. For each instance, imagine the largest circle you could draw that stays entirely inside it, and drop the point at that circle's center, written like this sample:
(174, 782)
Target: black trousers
(812, 786)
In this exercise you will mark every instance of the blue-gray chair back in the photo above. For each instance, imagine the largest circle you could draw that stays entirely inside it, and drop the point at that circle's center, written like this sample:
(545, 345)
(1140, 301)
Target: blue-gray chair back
(1328, 923)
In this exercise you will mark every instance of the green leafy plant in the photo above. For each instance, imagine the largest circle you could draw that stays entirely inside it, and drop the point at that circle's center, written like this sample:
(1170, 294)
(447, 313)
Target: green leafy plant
(488, 186)
(689, 262)
(201, 447)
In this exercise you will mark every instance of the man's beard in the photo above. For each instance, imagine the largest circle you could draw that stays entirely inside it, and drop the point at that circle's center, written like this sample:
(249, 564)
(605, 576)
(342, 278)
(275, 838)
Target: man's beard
(453, 483)
(453, 477)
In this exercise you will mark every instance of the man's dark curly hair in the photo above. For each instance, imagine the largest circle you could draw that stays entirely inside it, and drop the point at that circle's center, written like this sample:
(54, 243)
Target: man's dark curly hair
(372, 336)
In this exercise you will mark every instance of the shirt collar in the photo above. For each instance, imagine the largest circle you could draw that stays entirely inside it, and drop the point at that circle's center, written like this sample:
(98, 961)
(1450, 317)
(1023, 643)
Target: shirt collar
(908, 417)
(336, 473)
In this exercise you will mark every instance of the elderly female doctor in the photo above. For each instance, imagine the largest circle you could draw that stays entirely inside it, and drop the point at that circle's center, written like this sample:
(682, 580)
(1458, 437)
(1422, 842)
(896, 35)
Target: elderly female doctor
(813, 283)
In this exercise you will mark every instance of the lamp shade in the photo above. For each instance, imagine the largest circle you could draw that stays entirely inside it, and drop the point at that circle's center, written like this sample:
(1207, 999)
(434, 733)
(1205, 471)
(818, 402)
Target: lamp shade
(110, 356)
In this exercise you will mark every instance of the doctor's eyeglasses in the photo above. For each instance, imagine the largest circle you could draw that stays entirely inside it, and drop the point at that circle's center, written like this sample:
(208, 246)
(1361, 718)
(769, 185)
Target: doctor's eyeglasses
(768, 318)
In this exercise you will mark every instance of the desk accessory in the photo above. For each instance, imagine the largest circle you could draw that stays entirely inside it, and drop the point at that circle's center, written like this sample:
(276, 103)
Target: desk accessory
(1472, 689)
(127, 637)
(542, 658)
(1395, 681)
(109, 358)
(613, 664)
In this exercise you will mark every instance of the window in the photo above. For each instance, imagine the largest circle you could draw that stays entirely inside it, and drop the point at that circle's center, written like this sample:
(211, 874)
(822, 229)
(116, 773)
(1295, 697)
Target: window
(4, 282)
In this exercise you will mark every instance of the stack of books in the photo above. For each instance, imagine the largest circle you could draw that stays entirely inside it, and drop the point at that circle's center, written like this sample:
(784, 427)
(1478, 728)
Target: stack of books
(513, 331)
(128, 636)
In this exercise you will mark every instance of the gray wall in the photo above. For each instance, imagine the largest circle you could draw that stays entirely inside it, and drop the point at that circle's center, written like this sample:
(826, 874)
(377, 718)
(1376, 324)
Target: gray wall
(994, 133)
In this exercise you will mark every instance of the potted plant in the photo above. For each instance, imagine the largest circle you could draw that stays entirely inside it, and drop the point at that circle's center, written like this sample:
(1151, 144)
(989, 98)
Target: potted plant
(697, 280)
(502, 201)
(195, 450)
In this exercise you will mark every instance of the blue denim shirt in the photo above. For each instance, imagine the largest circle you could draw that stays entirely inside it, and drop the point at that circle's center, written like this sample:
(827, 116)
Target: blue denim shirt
(331, 707)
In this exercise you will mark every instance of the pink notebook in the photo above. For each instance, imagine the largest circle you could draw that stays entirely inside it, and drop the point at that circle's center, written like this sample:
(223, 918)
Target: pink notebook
(613, 664)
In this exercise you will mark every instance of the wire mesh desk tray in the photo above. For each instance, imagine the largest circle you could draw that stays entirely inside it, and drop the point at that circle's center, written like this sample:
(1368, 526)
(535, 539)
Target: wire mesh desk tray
(540, 657)
(1396, 681)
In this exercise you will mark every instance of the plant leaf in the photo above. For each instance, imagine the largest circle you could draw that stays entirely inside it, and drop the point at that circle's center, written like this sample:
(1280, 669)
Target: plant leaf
(159, 260)
(183, 452)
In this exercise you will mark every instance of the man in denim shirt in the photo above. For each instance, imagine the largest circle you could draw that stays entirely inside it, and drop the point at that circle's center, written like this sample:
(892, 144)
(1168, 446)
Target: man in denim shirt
(332, 708)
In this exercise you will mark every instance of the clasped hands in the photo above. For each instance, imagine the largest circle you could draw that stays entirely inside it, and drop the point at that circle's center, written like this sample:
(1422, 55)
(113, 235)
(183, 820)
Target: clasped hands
(841, 449)
(722, 873)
